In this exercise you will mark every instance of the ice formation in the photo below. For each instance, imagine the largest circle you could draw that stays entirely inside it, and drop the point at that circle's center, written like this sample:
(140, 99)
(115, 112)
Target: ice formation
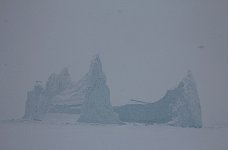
(186, 111)
(90, 97)
(97, 107)
(179, 107)
(61, 95)
(36, 104)
(40, 99)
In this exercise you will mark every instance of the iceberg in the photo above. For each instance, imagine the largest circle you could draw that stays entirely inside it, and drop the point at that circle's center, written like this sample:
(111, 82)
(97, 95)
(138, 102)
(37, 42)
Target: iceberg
(89, 98)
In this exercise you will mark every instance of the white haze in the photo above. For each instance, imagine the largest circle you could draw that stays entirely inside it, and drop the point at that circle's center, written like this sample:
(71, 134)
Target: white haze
(146, 48)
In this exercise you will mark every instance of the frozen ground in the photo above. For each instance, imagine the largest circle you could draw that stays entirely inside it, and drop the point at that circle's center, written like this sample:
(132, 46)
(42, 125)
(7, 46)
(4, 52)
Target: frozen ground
(22, 135)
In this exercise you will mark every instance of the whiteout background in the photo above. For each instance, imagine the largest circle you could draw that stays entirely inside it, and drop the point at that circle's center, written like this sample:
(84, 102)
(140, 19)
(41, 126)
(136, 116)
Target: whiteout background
(146, 47)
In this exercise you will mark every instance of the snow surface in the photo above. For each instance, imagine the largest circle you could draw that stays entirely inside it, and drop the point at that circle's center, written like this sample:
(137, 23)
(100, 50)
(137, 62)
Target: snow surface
(24, 135)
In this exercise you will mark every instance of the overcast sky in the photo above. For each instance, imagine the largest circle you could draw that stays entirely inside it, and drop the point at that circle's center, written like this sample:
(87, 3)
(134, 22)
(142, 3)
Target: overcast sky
(146, 48)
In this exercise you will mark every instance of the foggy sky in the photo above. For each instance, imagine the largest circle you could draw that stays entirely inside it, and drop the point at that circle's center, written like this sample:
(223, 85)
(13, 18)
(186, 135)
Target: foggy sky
(146, 48)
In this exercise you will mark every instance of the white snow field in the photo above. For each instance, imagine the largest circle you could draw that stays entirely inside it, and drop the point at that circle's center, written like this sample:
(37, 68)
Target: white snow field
(46, 136)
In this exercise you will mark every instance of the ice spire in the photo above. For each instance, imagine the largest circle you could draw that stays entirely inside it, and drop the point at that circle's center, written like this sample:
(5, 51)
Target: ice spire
(95, 70)
(187, 109)
(97, 107)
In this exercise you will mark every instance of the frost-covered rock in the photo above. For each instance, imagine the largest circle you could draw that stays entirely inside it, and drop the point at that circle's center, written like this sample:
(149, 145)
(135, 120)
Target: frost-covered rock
(179, 107)
(97, 107)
